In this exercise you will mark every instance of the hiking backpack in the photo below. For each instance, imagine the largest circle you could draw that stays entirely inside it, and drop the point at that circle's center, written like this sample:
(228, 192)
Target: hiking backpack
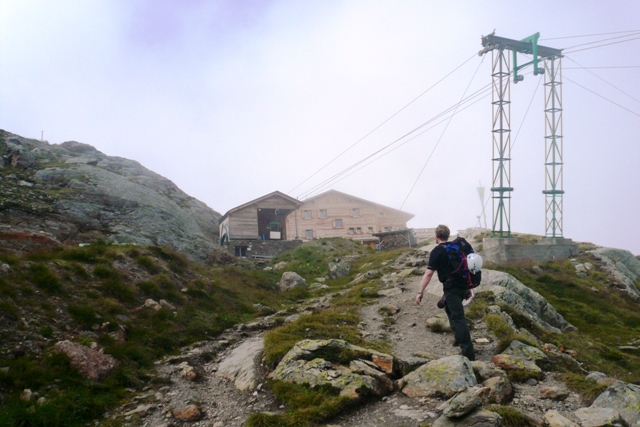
(457, 251)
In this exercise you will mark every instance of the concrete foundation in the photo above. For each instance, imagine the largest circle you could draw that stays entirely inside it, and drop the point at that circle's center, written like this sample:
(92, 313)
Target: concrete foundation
(501, 249)
(260, 248)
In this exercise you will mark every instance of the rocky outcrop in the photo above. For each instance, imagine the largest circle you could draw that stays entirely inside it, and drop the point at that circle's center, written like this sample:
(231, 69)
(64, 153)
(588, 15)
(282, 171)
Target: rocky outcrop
(624, 398)
(476, 419)
(517, 367)
(338, 269)
(240, 366)
(91, 363)
(511, 291)
(439, 378)
(321, 362)
(598, 417)
(290, 280)
(528, 352)
(73, 193)
(623, 266)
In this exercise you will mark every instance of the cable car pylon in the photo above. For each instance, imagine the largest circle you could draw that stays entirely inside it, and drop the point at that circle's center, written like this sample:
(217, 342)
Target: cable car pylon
(502, 73)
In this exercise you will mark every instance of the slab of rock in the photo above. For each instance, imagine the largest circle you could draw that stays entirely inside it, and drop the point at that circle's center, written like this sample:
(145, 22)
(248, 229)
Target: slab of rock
(600, 378)
(338, 269)
(500, 390)
(140, 410)
(91, 363)
(187, 371)
(439, 378)
(189, 413)
(518, 367)
(290, 280)
(563, 359)
(528, 352)
(151, 304)
(511, 291)
(315, 362)
(240, 365)
(554, 393)
(106, 196)
(555, 419)
(368, 275)
(623, 266)
(623, 397)
(464, 402)
(598, 417)
(479, 418)
(485, 370)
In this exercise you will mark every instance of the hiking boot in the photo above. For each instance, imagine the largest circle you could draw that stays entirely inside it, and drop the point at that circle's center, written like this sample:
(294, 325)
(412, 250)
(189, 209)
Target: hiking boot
(471, 356)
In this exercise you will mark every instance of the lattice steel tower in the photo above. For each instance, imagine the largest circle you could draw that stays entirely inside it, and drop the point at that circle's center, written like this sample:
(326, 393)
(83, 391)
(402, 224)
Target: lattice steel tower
(501, 74)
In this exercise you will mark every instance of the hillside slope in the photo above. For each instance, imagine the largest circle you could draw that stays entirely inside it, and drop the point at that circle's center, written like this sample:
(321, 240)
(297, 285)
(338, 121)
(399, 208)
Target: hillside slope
(72, 193)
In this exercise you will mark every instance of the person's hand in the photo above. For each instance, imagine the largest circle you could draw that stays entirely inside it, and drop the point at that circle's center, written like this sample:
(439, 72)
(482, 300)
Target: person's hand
(419, 298)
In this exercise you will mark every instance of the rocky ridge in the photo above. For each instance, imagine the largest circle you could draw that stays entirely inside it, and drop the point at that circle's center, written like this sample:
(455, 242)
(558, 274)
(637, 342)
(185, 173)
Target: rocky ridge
(72, 193)
(417, 394)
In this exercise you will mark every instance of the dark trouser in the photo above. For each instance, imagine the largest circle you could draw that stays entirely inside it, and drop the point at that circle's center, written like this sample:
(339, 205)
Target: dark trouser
(459, 326)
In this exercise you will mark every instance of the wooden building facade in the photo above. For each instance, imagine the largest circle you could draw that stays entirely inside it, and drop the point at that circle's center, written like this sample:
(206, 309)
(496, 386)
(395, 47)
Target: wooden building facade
(259, 219)
(336, 214)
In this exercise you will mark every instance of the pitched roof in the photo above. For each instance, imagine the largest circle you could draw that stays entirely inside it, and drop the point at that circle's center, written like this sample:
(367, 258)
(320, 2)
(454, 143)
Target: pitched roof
(410, 215)
(259, 199)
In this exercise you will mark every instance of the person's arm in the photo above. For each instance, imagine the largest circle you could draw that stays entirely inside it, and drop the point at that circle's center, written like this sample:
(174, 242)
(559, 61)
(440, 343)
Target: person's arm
(423, 284)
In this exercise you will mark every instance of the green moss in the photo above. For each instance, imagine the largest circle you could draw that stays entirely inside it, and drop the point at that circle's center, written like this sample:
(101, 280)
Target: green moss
(512, 417)
(306, 406)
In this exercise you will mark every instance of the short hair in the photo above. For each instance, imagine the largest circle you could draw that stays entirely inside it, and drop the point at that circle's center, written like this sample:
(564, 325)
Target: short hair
(443, 232)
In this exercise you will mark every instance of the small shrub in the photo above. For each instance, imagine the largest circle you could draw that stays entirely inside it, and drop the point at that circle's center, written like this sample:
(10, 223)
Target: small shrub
(9, 310)
(116, 288)
(41, 276)
(133, 253)
(105, 272)
(150, 289)
(79, 270)
(85, 315)
(46, 332)
(438, 327)
(511, 417)
(148, 264)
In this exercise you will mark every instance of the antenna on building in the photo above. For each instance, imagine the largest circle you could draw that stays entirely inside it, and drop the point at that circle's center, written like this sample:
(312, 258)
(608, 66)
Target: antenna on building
(481, 195)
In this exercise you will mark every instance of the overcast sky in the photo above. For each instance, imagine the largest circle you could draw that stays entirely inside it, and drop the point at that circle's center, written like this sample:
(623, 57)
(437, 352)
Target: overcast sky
(235, 99)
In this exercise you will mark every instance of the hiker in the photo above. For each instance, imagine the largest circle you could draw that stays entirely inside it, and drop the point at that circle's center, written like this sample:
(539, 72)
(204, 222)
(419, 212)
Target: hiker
(455, 291)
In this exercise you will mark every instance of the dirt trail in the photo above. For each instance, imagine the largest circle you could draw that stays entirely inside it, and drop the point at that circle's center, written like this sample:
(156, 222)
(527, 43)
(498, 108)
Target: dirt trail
(222, 404)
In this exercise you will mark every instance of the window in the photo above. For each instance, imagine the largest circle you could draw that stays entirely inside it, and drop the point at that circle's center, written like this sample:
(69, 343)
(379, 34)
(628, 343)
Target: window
(381, 214)
(370, 230)
(387, 229)
(338, 223)
(241, 251)
(358, 230)
(309, 234)
(351, 231)
(323, 213)
(307, 214)
(356, 211)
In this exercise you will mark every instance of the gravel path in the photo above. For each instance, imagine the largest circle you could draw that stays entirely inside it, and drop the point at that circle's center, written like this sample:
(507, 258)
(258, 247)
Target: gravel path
(221, 404)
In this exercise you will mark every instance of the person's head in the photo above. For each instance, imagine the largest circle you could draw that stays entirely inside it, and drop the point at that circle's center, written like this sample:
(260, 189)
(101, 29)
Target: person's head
(442, 232)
